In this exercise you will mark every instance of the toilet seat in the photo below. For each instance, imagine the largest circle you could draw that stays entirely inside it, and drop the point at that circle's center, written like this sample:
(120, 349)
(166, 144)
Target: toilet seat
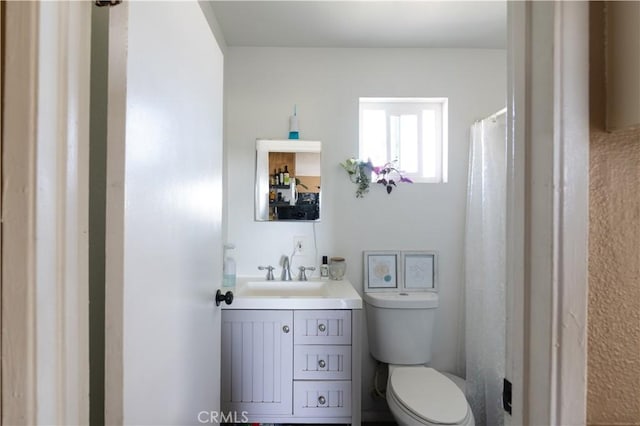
(428, 395)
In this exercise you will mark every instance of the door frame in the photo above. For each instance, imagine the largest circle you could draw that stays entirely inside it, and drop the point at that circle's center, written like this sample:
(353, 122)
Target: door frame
(18, 245)
(559, 394)
(45, 213)
(547, 211)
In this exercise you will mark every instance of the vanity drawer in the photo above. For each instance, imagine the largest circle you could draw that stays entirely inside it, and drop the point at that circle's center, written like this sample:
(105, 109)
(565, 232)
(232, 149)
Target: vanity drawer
(322, 327)
(322, 362)
(322, 399)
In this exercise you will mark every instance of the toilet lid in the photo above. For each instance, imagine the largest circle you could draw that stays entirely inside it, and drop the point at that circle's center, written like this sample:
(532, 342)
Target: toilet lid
(429, 394)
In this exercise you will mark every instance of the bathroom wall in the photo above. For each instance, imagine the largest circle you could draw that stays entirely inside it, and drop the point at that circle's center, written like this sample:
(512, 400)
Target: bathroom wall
(613, 388)
(261, 87)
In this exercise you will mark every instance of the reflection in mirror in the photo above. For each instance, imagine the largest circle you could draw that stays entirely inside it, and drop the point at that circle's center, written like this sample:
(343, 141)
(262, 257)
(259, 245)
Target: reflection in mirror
(287, 180)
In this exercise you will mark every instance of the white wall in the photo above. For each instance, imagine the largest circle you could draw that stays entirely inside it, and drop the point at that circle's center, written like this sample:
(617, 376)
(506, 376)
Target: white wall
(261, 87)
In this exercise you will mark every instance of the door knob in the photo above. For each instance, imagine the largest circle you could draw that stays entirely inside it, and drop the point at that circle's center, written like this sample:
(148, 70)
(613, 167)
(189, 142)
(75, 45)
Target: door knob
(226, 298)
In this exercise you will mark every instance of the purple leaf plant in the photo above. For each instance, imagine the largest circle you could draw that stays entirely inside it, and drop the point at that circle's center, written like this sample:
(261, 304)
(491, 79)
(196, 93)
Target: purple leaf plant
(361, 173)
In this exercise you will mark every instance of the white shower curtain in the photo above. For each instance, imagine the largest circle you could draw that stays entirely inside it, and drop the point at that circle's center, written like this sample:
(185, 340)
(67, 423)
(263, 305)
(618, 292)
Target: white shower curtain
(485, 269)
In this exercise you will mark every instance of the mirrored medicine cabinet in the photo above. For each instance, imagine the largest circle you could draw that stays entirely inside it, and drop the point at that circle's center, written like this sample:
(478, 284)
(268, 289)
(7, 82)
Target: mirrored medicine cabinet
(288, 176)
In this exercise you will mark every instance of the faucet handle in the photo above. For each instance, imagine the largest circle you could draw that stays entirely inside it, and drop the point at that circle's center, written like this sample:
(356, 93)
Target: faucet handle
(303, 269)
(269, 270)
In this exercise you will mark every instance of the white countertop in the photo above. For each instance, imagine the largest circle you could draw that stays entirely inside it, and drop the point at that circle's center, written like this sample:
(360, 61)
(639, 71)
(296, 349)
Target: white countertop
(256, 293)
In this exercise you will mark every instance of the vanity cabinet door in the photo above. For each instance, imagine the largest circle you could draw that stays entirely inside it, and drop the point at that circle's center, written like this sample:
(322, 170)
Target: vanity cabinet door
(257, 355)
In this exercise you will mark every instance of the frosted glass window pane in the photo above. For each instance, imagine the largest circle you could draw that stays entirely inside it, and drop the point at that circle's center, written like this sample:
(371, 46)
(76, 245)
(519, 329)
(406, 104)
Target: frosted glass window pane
(409, 143)
(394, 134)
(429, 149)
(374, 135)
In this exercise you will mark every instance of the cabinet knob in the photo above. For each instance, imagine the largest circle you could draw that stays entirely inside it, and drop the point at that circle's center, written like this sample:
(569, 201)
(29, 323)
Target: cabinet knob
(322, 327)
(322, 364)
(322, 400)
(285, 328)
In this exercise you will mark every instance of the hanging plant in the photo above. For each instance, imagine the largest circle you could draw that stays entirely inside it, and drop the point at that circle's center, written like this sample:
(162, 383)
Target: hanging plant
(360, 173)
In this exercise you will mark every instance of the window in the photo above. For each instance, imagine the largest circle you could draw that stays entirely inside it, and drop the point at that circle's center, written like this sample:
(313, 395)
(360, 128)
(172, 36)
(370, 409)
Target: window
(410, 131)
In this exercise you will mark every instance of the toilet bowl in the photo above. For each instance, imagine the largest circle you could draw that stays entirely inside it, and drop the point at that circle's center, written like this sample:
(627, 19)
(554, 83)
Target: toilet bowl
(419, 395)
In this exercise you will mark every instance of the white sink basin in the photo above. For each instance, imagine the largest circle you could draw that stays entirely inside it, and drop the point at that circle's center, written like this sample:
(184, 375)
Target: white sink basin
(283, 289)
(257, 293)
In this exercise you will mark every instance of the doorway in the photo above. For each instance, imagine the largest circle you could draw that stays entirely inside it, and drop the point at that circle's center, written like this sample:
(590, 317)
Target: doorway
(524, 75)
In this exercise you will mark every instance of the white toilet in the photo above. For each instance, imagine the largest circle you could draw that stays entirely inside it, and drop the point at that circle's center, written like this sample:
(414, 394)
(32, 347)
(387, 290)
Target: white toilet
(400, 327)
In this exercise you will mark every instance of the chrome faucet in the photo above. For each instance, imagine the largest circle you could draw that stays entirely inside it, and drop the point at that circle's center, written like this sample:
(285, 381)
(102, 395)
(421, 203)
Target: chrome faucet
(286, 270)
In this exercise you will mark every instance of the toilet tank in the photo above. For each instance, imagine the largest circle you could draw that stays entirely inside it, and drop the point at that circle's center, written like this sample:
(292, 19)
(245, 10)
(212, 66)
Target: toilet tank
(400, 326)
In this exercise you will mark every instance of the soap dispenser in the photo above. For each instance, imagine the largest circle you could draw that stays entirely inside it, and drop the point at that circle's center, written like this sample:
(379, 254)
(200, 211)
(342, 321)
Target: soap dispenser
(228, 268)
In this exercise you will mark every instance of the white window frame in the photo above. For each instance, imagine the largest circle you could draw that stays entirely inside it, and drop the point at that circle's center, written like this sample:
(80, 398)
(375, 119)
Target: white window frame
(411, 105)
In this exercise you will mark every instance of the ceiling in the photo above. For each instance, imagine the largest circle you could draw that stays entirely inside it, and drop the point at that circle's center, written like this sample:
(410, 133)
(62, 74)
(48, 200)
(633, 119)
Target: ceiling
(443, 24)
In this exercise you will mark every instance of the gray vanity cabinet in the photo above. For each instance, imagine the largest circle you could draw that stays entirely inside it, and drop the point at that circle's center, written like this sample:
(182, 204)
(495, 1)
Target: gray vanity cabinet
(285, 366)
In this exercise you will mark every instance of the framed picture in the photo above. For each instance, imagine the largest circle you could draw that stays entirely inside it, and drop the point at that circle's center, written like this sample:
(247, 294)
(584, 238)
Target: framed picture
(381, 270)
(420, 270)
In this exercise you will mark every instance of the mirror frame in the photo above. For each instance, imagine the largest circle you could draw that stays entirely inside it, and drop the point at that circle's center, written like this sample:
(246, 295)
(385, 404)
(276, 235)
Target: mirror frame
(263, 147)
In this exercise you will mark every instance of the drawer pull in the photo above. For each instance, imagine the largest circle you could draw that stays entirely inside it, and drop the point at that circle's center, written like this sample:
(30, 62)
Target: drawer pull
(285, 328)
(322, 400)
(322, 364)
(322, 328)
